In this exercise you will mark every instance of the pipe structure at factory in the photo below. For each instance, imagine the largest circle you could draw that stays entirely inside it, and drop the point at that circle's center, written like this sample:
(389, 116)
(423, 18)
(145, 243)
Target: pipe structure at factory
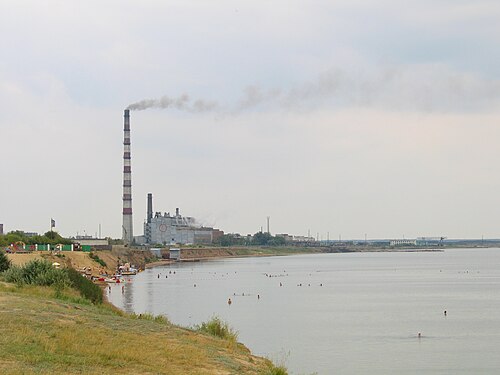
(150, 207)
(127, 226)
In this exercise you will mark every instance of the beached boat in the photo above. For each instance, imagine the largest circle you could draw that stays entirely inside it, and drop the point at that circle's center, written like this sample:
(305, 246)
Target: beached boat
(113, 280)
(130, 271)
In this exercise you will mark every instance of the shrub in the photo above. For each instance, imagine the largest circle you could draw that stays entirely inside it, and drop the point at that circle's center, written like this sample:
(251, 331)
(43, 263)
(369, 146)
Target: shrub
(38, 272)
(97, 259)
(217, 327)
(41, 272)
(4, 262)
(87, 288)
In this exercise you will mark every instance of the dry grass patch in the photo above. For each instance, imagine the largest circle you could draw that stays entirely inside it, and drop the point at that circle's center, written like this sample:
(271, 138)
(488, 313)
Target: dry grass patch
(41, 335)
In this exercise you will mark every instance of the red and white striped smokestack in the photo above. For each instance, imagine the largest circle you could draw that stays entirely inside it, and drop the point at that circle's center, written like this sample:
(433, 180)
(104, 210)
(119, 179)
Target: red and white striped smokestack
(127, 227)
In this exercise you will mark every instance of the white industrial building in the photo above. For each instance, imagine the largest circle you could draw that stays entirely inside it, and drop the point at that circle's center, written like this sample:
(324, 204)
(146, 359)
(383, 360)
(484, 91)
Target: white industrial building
(169, 229)
(403, 242)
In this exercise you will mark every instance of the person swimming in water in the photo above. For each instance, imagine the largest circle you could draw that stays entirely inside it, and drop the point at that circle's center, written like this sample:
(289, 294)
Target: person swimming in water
(419, 335)
(229, 302)
(445, 313)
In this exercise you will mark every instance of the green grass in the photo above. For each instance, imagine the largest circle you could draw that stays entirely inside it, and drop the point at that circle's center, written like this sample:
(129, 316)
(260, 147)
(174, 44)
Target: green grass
(154, 318)
(218, 328)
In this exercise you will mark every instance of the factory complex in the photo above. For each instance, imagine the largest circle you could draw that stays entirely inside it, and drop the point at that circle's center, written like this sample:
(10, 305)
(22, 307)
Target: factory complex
(167, 229)
(159, 229)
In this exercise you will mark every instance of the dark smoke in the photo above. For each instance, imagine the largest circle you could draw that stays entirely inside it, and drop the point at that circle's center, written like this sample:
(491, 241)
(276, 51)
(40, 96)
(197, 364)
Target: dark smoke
(182, 103)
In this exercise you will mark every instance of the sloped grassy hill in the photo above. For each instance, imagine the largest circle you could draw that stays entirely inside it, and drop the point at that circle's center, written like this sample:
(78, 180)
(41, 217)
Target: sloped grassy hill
(40, 333)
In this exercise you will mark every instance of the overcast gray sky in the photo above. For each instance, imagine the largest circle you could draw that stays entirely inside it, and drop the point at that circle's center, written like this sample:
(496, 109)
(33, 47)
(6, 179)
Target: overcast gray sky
(349, 117)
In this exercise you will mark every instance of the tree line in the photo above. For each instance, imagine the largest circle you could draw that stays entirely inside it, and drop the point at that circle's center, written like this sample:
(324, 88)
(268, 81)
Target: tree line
(50, 237)
(258, 239)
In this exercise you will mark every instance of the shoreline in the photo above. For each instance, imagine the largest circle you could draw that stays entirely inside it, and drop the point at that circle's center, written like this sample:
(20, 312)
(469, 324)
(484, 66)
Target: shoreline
(166, 262)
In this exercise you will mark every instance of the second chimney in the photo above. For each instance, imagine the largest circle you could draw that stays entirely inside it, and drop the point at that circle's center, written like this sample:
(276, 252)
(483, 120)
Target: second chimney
(150, 207)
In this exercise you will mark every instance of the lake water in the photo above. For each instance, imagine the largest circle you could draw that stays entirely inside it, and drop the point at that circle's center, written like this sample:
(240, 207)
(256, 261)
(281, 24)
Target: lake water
(364, 319)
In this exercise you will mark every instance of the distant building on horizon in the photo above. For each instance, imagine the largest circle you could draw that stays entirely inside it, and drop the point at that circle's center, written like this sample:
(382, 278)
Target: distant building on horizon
(31, 234)
(1, 229)
(403, 242)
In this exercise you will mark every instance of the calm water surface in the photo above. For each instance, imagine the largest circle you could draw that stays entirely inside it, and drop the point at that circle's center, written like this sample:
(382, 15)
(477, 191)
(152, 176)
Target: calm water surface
(364, 319)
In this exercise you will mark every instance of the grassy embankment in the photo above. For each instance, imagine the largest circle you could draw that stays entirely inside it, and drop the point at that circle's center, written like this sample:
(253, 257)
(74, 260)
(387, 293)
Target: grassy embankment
(48, 329)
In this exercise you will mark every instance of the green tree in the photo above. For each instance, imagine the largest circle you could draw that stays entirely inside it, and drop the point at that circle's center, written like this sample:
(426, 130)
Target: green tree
(55, 238)
(13, 237)
(266, 239)
(277, 241)
(3, 241)
(261, 238)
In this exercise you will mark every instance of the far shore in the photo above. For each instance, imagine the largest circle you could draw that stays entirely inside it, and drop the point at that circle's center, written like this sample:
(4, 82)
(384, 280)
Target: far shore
(262, 253)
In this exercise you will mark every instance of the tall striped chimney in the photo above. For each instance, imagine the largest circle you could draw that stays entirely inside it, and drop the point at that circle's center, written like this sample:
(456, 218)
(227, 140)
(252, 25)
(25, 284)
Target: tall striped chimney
(127, 227)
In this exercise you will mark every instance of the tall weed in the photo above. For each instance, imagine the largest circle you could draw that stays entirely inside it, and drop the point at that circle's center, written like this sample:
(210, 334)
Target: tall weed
(217, 327)
(13, 275)
(275, 370)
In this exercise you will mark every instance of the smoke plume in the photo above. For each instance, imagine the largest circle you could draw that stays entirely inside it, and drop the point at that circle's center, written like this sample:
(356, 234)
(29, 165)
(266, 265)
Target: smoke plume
(424, 88)
(182, 103)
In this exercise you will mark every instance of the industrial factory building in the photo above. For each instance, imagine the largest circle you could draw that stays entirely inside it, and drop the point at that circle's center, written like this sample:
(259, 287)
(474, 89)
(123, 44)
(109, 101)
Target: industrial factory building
(169, 229)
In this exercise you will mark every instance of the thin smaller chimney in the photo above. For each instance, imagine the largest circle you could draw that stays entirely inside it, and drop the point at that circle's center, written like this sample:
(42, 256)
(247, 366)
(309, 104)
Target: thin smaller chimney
(177, 212)
(150, 207)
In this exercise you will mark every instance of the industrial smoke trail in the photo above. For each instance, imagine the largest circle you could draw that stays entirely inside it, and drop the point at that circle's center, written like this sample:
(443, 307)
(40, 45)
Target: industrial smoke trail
(413, 88)
(182, 103)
